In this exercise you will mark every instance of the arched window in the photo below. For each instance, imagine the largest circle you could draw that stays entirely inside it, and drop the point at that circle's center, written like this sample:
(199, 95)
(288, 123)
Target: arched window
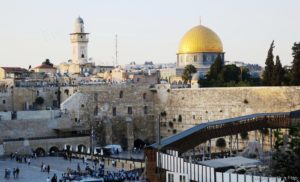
(121, 94)
(144, 96)
(82, 55)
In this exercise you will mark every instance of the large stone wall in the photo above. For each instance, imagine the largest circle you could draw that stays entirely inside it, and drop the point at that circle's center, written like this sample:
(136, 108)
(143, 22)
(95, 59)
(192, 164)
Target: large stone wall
(121, 127)
(184, 108)
(196, 106)
(40, 114)
(26, 128)
(23, 98)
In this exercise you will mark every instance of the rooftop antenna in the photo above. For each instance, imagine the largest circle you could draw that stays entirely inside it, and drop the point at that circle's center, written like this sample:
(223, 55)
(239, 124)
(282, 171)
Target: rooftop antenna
(199, 20)
(116, 49)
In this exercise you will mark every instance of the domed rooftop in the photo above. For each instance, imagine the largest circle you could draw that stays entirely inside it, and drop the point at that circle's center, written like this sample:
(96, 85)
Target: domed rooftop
(79, 20)
(200, 39)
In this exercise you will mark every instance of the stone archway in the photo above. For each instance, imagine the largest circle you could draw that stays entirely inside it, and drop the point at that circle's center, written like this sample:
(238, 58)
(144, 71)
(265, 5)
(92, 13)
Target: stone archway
(53, 150)
(40, 152)
(81, 148)
(68, 147)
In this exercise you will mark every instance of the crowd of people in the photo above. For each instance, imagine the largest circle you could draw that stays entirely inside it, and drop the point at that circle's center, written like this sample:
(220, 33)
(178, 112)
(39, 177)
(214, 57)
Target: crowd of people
(92, 169)
(7, 172)
(98, 171)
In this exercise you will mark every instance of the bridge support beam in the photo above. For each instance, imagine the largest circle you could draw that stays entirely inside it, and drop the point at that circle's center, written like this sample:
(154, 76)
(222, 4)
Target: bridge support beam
(271, 139)
(230, 146)
(209, 148)
(237, 143)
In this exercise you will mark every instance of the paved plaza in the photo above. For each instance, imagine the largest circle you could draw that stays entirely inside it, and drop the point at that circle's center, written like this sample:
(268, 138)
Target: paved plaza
(32, 173)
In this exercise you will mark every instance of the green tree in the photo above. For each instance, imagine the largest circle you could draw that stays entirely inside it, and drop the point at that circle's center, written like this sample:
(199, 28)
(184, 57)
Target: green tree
(268, 72)
(47, 62)
(295, 71)
(230, 73)
(278, 73)
(39, 100)
(286, 75)
(215, 69)
(245, 75)
(286, 159)
(187, 73)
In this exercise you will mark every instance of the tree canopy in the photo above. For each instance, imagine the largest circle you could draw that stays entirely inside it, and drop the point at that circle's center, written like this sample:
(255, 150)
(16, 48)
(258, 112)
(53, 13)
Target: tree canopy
(295, 71)
(187, 73)
(47, 62)
(215, 69)
(286, 159)
(278, 73)
(39, 100)
(230, 73)
(268, 72)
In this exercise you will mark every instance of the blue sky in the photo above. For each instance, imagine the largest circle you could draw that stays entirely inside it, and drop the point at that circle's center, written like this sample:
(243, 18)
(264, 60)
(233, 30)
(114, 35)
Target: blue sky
(34, 30)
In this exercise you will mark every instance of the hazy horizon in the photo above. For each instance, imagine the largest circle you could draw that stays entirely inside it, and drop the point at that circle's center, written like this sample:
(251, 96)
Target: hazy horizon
(34, 30)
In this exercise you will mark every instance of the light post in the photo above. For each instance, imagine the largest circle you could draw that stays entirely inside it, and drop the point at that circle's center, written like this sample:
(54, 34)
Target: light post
(92, 142)
(158, 150)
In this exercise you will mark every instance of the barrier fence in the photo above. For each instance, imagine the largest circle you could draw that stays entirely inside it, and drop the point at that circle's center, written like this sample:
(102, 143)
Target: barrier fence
(118, 163)
(201, 173)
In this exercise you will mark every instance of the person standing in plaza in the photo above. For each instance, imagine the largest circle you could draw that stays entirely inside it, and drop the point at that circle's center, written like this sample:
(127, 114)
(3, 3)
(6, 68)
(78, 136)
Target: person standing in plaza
(14, 173)
(78, 167)
(54, 178)
(48, 169)
(28, 161)
(17, 172)
(48, 179)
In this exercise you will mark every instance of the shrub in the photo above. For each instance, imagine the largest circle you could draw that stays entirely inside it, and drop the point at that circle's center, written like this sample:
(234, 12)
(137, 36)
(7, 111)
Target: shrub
(66, 91)
(39, 100)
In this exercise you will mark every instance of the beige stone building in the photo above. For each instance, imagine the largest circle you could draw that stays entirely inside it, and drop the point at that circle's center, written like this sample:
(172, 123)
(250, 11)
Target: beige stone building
(12, 73)
(44, 68)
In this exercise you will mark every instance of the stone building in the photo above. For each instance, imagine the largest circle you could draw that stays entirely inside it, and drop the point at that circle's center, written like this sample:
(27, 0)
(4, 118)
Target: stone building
(12, 73)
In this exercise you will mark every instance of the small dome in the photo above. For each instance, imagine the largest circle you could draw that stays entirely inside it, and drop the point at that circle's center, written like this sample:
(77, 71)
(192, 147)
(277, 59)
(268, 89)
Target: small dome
(79, 20)
(200, 39)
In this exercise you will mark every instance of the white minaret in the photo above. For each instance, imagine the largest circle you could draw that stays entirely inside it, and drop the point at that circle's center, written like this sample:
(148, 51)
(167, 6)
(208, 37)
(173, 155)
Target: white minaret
(79, 40)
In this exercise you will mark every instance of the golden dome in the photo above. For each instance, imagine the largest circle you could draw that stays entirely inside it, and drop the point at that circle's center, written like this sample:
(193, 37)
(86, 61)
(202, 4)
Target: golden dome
(200, 39)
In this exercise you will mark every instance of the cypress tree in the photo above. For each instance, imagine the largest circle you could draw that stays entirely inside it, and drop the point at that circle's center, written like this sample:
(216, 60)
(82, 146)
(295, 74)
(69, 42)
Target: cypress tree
(278, 73)
(215, 69)
(268, 72)
(295, 72)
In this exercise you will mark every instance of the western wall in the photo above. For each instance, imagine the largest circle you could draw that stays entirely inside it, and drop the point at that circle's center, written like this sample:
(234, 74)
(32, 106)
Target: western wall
(116, 123)
(184, 108)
